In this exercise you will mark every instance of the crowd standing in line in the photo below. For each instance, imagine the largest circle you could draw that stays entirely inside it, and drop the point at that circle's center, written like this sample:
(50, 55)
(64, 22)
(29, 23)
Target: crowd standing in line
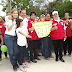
(23, 43)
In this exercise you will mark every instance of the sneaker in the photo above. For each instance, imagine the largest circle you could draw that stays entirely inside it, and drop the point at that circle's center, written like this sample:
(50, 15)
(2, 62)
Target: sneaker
(22, 68)
(26, 65)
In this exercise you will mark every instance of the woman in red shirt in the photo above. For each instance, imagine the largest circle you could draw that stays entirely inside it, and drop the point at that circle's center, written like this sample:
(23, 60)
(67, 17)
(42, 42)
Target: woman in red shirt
(33, 40)
(2, 29)
(57, 35)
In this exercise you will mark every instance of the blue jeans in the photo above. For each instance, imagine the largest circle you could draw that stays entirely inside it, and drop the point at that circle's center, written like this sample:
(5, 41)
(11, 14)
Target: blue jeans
(11, 43)
(47, 47)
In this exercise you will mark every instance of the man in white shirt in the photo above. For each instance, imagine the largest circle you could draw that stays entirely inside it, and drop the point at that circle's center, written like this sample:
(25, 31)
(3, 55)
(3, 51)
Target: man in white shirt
(24, 28)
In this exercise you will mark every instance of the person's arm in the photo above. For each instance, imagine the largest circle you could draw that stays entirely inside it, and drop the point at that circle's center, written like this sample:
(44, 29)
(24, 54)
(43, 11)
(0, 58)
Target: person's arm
(26, 43)
(70, 27)
(11, 26)
(31, 29)
(28, 36)
(1, 39)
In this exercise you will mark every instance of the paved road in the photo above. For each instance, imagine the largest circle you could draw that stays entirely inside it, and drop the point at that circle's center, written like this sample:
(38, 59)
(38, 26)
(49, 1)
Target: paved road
(41, 66)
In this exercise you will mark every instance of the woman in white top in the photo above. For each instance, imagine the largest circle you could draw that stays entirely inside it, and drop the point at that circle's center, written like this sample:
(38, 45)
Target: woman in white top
(10, 39)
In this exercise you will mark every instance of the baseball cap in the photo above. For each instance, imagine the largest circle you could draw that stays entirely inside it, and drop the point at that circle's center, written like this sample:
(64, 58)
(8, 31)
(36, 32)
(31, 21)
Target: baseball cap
(54, 12)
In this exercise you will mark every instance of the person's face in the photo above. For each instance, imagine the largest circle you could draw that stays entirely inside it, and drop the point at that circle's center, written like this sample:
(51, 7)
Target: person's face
(67, 16)
(55, 16)
(23, 13)
(37, 19)
(28, 18)
(33, 16)
(42, 18)
(8, 14)
(15, 14)
(47, 17)
(1, 19)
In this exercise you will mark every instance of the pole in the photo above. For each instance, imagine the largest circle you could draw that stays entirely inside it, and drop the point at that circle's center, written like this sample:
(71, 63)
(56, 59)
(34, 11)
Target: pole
(9, 5)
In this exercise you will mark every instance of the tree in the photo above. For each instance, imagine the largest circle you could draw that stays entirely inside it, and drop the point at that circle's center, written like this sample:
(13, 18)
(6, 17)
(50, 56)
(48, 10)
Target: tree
(64, 7)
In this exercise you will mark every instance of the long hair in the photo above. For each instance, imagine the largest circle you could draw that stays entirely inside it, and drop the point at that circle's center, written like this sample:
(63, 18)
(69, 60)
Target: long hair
(13, 11)
(18, 22)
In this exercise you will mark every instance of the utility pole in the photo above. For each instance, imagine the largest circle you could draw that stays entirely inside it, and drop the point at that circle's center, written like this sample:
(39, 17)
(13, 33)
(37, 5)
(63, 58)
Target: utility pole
(9, 5)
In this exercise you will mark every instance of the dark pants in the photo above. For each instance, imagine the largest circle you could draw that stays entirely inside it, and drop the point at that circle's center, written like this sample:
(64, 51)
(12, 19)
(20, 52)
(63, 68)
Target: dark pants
(21, 54)
(27, 51)
(33, 47)
(58, 44)
(47, 43)
(69, 43)
(11, 43)
(4, 53)
(1, 52)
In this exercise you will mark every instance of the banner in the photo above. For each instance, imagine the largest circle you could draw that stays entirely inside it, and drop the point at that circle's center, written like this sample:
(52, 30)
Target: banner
(42, 28)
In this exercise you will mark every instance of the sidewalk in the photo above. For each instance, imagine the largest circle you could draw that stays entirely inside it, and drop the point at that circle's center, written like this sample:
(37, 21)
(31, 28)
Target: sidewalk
(41, 66)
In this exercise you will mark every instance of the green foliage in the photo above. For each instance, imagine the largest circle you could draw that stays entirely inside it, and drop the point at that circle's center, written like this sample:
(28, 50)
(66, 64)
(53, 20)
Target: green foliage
(64, 7)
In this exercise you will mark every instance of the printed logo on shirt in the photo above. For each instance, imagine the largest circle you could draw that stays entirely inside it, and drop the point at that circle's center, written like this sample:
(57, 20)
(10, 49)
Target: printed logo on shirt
(0, 26)
(55, 24)
(62, 23)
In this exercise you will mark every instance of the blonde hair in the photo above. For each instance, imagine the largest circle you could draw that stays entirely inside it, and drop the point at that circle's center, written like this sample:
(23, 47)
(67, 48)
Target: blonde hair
(13, 11)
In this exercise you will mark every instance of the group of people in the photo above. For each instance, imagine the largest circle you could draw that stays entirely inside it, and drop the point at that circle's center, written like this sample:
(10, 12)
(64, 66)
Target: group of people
(20, 37)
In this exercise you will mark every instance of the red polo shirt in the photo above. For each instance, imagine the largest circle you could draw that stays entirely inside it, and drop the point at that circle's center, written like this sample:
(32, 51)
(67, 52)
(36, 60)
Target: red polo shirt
(47, 20)
(2, 28)
(32, 33)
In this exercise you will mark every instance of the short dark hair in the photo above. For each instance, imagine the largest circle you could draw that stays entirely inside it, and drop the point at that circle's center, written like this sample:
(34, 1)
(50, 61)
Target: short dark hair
(47, 14)
(8, 12)
(22, 9)
(32, 13)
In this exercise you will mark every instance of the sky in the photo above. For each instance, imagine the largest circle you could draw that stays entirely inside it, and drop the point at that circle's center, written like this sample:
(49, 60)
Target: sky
(4, 14)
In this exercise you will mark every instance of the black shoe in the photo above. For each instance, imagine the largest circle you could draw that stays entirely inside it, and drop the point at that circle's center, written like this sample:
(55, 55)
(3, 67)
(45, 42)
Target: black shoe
(14, 67)
(62, 60)
(38, 59)
(39, 55)
(34, 61)
(64, 54)
(69, 55)
(56, 59)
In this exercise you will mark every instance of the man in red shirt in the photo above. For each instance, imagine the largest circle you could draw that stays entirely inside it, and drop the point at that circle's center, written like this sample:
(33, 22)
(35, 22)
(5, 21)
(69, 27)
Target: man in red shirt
(69, 35)
(33, 40)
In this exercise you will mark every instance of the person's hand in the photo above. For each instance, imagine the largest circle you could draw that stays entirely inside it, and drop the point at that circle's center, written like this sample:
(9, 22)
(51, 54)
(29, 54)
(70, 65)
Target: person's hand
(26, 45)
(32, 28)
(65, 37)
(55, 28)
(2, 42)
(10, 17)
(28, 36)
(66, 21)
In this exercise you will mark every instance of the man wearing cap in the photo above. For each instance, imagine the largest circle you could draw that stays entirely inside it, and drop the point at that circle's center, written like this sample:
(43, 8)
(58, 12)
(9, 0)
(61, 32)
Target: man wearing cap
(58, 34)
